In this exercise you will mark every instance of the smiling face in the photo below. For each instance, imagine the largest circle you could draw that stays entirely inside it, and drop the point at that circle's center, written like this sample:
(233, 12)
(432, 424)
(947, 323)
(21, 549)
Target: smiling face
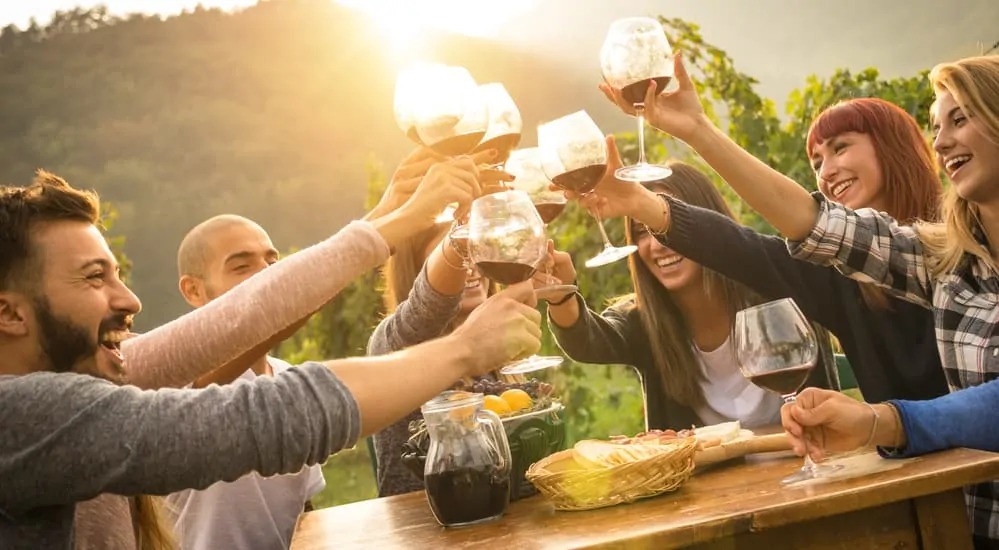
(846, 167)
(969, 157)
(220, 254)
(83, 310)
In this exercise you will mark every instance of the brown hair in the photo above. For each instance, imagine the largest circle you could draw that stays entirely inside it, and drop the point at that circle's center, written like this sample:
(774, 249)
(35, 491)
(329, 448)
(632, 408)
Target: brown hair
(22, 209)
(974, 83)
(663, 322)
(912, 186)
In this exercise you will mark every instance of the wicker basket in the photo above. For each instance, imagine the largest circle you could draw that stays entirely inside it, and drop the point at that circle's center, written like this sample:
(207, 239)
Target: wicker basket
(571, 486)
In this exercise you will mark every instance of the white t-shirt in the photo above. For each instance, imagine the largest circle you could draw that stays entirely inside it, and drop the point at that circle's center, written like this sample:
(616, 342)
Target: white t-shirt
(729, 396)
(249, 513)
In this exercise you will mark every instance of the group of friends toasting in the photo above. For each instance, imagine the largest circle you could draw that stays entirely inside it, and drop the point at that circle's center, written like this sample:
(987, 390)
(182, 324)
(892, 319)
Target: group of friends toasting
(99, 423)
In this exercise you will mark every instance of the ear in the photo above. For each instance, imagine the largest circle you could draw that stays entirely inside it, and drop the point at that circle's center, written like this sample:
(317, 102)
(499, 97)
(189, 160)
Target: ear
(15, 314)
(193, 290)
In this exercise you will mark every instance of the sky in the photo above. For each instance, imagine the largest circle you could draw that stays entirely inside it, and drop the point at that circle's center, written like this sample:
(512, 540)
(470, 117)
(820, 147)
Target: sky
(778, 41)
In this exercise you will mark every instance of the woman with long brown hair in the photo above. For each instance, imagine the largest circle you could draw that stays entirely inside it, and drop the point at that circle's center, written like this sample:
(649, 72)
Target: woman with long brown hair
(676, 328)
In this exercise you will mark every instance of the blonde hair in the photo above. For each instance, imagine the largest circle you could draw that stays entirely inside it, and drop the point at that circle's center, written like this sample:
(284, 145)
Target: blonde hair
(152, 532)
(974, 84)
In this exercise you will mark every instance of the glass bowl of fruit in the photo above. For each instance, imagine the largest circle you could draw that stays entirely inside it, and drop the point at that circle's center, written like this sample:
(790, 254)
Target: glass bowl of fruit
(530, 416)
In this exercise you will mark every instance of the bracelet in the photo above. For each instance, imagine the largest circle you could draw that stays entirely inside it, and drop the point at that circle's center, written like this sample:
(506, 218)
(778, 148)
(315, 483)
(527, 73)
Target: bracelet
(665, 201)
(898, 424)
(449, 264)
(563, 300)
(874, 428)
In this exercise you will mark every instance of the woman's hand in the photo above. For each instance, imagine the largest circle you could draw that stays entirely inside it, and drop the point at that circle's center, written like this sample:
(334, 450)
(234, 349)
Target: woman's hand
(613, 198)
(678, 113)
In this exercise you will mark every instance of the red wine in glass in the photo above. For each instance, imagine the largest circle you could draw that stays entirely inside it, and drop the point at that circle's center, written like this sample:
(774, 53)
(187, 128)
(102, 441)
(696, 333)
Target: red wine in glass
(506, 273)
(581, 180)
(461, 144)
(783, 382)
(634, 93)
(504, 145)
(549, 210)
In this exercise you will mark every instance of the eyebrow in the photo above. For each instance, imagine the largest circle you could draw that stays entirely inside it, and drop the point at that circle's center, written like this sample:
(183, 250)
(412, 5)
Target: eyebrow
(246, 255)
(99, 262)
(950, 114)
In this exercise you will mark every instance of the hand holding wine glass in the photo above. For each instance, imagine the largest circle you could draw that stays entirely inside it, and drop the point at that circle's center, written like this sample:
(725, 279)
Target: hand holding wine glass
(574, 157)
(777, 350)
(505, 123)
(824, 421)
(504, 328)
(454, 181)
(507, 244)
(678, 113)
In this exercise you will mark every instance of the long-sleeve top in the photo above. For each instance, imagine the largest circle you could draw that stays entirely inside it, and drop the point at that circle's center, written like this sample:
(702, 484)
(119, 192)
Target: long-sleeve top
(67, 437)
(616, 336)
(870, 246)
(194, 344)
(892, 352)
(954, 420)
(424, 315)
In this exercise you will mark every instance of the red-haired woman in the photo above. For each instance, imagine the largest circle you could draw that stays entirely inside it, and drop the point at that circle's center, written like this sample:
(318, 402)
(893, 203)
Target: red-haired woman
(865, 153)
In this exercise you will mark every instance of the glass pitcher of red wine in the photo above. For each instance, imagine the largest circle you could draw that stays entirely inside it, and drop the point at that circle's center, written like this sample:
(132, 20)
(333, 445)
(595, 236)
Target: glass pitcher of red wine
(467, 473)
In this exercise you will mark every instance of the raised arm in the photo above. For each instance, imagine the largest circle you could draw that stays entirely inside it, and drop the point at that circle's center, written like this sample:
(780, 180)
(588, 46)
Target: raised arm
(779, 199)
(250, 319)
(431, 305)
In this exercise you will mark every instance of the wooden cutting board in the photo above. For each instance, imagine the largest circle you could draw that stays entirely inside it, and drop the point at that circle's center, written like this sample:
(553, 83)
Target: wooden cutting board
(741, 447)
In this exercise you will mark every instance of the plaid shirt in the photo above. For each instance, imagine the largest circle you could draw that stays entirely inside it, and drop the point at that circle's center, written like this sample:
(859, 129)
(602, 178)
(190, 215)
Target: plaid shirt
(869, 246)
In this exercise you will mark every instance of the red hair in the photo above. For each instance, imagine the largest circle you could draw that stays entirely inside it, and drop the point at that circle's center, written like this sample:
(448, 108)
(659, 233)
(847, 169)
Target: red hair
(911, 181)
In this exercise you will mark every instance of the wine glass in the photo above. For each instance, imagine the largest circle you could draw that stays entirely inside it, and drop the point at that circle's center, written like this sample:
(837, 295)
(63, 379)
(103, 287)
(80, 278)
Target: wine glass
(574, 157)
(525, 166)
(441, 107)
(636, 53)
(777, 350)
(506, 242)
(502, 133)
(505, 123)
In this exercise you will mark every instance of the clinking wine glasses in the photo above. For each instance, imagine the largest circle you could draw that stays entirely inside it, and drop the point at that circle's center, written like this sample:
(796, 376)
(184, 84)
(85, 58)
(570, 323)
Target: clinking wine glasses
(525, 165)
(574, 157)
(507, 242)
(441, 107)
(635, 54)
(777, 351)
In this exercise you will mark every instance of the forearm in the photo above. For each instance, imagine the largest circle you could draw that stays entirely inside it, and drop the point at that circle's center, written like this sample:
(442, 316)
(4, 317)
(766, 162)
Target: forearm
(594, 338)
(445, 271)
(958, 419)
(778, 198)
(424, 315)
(252, 316)
(388, 387)
(565, 314)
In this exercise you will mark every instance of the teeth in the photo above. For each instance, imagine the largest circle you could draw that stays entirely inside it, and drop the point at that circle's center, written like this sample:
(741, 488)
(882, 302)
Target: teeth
(114, 337)
(955, 162)
(842, 186)
(669, 260)
(472, 283)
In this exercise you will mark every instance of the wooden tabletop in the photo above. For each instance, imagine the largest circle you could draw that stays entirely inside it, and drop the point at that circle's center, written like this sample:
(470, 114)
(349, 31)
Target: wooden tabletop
(728, 500)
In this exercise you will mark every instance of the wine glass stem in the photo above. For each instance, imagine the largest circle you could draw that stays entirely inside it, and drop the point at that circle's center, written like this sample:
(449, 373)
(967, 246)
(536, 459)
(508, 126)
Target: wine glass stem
(603, 232)
(809, 464)
(640, 116)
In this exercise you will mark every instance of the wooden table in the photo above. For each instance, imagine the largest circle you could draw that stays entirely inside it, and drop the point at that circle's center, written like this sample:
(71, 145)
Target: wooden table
(733, 506)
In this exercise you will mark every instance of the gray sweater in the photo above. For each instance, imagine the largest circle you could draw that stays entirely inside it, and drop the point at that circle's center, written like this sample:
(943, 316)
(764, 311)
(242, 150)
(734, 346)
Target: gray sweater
(424, 315)
(66, 438)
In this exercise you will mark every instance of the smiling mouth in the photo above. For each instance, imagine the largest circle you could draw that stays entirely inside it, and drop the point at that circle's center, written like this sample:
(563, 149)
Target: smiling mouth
(668, 261)
(954, 164)
(839, 188)
(111, 341)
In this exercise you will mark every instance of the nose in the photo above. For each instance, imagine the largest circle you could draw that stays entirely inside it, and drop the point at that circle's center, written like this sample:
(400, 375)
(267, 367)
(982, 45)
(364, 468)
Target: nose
(828, 171)
(943, 141)
(124, 300)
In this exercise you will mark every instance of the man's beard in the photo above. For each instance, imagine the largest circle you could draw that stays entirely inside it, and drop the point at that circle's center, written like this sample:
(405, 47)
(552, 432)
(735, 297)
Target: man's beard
(64, 343)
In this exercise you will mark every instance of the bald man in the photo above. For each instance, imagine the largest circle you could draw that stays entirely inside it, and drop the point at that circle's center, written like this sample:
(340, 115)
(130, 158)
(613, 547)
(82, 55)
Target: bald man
(253, 511)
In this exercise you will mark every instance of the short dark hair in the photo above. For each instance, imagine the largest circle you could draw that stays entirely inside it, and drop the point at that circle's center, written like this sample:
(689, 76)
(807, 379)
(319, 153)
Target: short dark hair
(22, 209)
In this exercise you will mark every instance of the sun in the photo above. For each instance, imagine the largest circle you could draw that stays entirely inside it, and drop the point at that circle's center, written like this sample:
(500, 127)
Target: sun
(405, 22)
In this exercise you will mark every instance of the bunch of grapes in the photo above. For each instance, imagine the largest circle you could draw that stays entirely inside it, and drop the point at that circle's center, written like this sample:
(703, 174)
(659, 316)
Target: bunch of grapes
(533, 387)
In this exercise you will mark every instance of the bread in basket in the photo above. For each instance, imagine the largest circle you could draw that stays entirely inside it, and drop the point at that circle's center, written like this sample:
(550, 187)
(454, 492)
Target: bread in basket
(596, 474)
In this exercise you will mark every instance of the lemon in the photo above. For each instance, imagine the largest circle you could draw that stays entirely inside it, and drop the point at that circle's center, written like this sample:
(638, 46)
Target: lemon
(496, 404)
(517, 399)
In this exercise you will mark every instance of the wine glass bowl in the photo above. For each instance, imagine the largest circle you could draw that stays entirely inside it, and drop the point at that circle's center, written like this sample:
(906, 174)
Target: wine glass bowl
(777, 351)
(635, 54)
(505, 123)
(450, 114)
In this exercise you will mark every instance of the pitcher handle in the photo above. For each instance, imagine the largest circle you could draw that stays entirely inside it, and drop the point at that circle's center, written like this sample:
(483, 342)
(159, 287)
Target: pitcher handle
(495, 428)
